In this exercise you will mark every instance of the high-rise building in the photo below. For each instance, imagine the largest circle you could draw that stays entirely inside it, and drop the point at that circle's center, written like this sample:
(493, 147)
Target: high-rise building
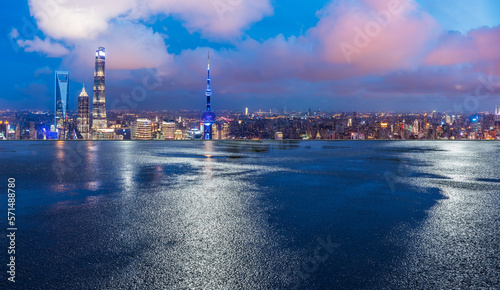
(4, 130)
(216, 133)
(99, 120)
(83, 114)
(225, 131)
(208, 117)
(416, 126)
(133, 130)
(168, 129)
(18, 131)
(143, 129)
(497, 119)
(32, 131)
(448, 120)
(62, 99)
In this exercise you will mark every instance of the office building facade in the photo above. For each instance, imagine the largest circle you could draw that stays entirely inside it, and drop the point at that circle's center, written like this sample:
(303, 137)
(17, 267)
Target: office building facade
(143, 131)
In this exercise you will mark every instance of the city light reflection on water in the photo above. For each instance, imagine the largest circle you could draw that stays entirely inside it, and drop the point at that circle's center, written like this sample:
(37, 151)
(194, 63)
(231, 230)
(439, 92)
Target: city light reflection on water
(249, 215)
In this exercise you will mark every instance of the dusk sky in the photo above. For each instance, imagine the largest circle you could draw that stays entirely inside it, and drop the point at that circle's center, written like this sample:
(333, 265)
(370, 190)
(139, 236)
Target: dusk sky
(361, 55)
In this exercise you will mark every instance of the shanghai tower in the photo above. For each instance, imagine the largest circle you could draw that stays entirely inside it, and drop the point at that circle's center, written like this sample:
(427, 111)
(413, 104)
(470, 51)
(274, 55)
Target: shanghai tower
(99, 120)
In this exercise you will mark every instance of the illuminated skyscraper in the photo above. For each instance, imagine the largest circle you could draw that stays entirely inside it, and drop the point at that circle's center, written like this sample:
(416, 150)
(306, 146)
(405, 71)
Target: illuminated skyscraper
(4, 130)
(208, 117)
(143, 129)
(99, 120)
(83, 114)
(32, 131)
(62, 99)
(497, 119)
(168, 129)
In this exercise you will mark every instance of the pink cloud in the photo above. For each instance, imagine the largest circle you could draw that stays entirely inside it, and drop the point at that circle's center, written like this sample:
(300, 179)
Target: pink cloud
(478, 47)
(375, 36)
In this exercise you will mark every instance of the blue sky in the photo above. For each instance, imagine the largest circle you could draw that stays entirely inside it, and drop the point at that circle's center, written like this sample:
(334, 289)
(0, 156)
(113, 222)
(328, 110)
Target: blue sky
(266, 54)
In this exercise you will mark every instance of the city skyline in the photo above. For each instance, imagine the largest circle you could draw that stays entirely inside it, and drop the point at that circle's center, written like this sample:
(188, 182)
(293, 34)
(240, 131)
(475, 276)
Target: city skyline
(330, 55)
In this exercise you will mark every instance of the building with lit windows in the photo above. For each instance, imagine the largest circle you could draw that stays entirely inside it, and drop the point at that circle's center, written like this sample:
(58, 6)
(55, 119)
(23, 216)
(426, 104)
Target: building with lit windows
(99, 120)
(208, 118)
(143, 131)
(83, 114)
(225, 131)
(497, 119)
(4, 130)
(105, 134)
(179, 135)
(32, 131)
(216, 133)
(168, 130)
(62, 99)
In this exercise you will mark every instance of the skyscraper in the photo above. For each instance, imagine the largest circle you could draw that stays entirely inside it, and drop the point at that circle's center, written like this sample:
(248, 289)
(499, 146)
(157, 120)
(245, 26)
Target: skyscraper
(99, 120)
(168, 129)
(83, 114)
(208, 117)
(497, 119)
(62, 99)
(144, 129)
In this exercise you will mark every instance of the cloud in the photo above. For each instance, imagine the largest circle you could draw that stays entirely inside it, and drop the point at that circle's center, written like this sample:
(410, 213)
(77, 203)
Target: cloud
(64, 19)
(406, 33)
(375, 36)
(43, 71)
(14, 33)
(478, 47)
(216, 18)
(46, 47)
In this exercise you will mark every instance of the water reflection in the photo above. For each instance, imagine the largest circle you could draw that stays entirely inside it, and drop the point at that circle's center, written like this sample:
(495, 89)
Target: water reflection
(233, 215)
(224, 232)
(455, 245)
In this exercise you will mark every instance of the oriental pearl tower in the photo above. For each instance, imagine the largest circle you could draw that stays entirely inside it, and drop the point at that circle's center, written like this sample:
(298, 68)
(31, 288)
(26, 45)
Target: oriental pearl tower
(208, 117)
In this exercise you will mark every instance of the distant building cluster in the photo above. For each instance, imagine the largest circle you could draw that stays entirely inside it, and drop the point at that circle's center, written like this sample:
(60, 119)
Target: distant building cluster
(367, 126)
(259, 125)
